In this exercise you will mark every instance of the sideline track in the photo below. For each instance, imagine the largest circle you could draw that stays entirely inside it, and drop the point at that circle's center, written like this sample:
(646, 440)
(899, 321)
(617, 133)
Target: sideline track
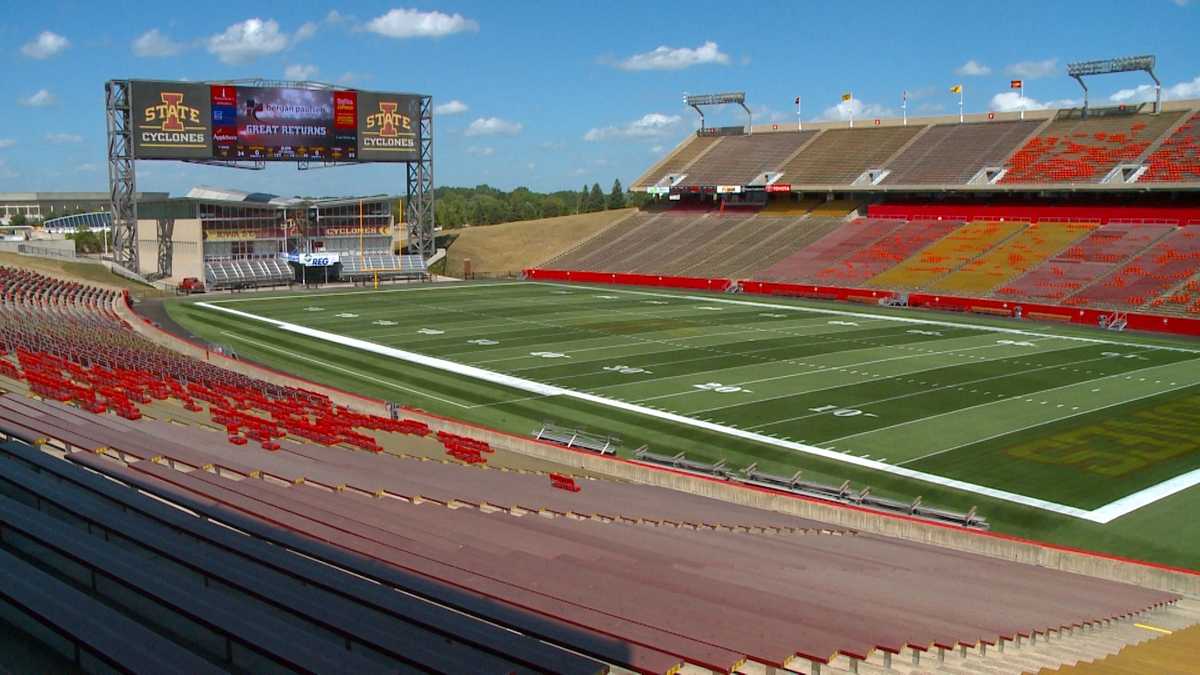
(1103, 514)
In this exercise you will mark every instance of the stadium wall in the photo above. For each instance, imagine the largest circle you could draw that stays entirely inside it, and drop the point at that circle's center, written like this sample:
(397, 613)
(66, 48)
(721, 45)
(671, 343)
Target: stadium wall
(1149, 575)
(1035, 212)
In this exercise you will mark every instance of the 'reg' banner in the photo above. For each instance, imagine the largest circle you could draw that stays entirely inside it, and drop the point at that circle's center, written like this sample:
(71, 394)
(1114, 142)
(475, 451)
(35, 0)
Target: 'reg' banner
(171, 120)
(389, 127)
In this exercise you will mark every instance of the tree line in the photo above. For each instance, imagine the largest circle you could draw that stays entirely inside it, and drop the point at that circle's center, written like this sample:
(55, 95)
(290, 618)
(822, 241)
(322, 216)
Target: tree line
(486, 205)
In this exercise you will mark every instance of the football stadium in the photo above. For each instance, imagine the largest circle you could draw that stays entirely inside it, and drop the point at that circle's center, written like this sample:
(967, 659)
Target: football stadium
(872, 391)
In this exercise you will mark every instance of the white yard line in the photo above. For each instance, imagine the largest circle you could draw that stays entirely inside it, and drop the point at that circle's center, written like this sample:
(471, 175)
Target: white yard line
(957, 385)
(902, 319)
(1168, 487)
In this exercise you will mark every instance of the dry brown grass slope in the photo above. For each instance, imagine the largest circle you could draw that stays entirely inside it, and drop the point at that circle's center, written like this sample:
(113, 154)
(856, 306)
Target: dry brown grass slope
(512, 247)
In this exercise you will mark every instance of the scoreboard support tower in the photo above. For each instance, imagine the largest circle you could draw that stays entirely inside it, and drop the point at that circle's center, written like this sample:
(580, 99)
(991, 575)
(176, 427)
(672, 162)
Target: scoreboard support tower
(419, 207)
(122, 174)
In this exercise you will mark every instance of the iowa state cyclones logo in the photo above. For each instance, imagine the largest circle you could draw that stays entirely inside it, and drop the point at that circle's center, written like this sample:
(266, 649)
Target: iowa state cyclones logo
(388, 129)
(171, 113)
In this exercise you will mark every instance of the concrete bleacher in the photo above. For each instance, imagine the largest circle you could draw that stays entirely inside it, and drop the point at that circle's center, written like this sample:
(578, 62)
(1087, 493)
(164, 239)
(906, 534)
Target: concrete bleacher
(385, 263)
(838, 156)
(869, 261)
(1178, 158)
(1073, 149)
(608, 245)
(1013, 257)
(1085, 262)
(954, 153)
(779, 238)
(946, 255)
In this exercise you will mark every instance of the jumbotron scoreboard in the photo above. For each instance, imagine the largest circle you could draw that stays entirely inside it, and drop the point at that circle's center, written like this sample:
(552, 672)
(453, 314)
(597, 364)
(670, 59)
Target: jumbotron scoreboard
(188, 120)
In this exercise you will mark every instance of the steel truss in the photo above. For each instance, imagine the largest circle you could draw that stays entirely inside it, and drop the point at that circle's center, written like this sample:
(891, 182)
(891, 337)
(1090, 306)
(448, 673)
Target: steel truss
(419, 209)
(122, 174)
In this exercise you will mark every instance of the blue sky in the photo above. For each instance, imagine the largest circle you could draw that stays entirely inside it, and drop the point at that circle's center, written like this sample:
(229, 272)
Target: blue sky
(556, 94)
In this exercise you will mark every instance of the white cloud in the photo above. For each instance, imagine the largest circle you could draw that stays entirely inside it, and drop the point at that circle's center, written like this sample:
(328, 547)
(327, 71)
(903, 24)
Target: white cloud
(348, 77)
(667, 58)
(481, 151)
(87, 167)
(1182, 3)
(453, 107)
(39, 99)
(1011, 101)
(656, 149)
(300, 71)
(306, 31)
(972, 68)
(650, 125)
(1032, 70)
(247, 40)
(493, 126)
(6, 143)
(45, 45)
(155, 43)
(1145, 92)
(59, 138)
(856, 109)
(411, 23)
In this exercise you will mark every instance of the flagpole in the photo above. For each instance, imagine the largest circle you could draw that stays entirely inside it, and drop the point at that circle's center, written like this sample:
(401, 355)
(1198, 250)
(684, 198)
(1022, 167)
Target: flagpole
(961, 98)
(904, 107)
(1022, 99)
(799, 117)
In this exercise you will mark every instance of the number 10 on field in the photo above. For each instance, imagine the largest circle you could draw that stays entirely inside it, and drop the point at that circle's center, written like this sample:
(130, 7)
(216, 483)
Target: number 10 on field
(837, 411)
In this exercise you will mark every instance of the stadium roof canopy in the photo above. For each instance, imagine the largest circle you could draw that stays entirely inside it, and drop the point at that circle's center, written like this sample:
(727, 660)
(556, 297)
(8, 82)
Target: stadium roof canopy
(209, 193)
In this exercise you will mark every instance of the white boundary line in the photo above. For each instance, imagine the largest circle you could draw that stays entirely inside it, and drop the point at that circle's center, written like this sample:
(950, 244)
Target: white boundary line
(317, 296)
(1101, 515)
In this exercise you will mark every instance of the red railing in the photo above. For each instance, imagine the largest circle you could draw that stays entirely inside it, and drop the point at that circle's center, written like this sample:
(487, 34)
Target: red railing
(1036, 212)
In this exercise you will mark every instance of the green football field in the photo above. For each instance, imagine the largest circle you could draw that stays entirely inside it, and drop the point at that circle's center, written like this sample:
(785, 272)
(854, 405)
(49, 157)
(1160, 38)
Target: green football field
(1083, 437)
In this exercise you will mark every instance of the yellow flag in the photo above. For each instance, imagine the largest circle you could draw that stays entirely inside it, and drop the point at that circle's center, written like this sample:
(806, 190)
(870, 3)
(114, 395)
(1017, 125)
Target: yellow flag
(847, 96)
(956, 89)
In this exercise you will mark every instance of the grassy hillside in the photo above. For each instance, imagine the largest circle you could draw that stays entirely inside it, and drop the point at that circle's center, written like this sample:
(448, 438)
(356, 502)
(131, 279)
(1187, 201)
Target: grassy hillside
(81, 272)
(511, 247)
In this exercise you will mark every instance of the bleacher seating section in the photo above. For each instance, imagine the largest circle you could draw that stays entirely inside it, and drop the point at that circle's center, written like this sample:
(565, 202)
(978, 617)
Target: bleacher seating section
(739, 159)
(1012, 257)
(1171, 261)
(1085, 262)
(1076, 150)
(817, 258)
(953, 153)
(244, 273)
(870, 260)
(1178, 158)
(680, 158)
(384, 263)
(946, 255)
(838, 156)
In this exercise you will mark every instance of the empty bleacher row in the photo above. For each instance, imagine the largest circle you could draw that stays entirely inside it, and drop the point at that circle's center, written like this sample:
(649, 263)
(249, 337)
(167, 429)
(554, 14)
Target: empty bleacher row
(384, 263)
(246, 273)
(1067, 148)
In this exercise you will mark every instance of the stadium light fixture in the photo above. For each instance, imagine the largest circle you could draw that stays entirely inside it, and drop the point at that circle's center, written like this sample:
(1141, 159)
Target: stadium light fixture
(738, 97)
(1123, 64)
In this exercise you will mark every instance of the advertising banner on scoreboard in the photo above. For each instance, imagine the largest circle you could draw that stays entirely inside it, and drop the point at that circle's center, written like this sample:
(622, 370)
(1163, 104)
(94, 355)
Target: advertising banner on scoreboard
(171, 120)
(183, 120)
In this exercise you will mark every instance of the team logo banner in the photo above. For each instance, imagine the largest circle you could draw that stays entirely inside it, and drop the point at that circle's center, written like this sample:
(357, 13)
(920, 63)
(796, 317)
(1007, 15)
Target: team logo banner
(171, 120)
(389, 127)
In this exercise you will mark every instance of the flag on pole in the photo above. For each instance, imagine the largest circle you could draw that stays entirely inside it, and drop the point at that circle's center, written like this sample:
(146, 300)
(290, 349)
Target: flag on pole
(956, 89)
(847, 96)
(797, 100)
(1016, 84)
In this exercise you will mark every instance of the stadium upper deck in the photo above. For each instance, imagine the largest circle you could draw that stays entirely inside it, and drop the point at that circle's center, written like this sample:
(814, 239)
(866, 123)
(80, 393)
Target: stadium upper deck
(1109, 149)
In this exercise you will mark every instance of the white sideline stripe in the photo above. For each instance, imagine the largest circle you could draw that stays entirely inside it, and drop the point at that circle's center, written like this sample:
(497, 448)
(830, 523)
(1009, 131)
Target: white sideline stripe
(348, 371)
(547, 390)
(901, 319)
(312, 296)
(1137, 500)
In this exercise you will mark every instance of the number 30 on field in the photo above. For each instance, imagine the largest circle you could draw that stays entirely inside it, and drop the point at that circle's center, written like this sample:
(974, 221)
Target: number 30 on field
(837, 411)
